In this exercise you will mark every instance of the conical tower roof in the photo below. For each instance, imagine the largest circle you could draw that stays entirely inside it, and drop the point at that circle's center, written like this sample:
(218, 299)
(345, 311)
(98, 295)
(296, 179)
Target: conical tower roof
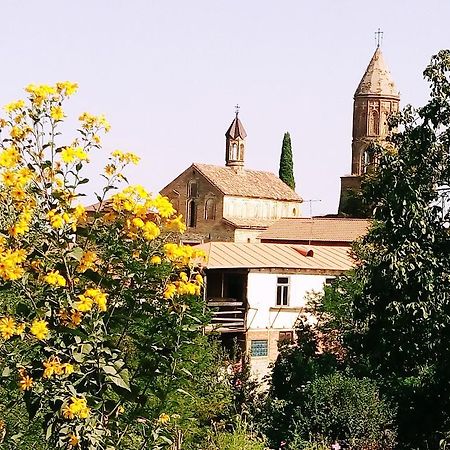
(236, 130)
(377, 79)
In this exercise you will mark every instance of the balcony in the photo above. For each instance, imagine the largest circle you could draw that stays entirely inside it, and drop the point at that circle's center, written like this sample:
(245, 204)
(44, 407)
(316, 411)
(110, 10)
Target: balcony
(228, 315)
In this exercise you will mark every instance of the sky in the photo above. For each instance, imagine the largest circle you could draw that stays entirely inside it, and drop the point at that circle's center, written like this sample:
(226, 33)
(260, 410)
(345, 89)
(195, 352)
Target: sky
(168, 73)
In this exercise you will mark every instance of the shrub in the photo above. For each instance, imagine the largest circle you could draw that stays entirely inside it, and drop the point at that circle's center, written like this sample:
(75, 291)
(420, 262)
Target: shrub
(98, 309)
(342, 408)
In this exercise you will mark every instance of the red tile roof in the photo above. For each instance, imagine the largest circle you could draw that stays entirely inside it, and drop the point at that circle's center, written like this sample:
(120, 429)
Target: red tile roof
(247, 183)
(316, 229)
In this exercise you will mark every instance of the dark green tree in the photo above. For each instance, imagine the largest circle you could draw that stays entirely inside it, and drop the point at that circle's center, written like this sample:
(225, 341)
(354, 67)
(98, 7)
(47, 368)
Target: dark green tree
(286, 172)
(397, 327)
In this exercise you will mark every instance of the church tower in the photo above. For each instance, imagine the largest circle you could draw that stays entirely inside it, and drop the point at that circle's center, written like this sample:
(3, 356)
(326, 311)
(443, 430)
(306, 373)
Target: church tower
(375, 99)
(235, 143)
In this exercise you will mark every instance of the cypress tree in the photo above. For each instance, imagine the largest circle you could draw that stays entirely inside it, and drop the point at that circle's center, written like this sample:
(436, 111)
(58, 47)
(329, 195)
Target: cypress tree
(286, 172)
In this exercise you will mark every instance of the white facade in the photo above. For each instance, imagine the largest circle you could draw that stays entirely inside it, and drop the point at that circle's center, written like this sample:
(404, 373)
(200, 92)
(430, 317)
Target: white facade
(266, 319)
(259, 208)
(263, 311)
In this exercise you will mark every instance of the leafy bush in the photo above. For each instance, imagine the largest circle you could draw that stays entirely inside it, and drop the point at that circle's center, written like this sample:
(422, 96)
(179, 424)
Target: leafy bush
(344, 409)
(99, 311)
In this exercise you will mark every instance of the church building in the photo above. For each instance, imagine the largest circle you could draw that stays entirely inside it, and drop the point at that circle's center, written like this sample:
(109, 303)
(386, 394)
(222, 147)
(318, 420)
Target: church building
(375, 99)
(230, 203)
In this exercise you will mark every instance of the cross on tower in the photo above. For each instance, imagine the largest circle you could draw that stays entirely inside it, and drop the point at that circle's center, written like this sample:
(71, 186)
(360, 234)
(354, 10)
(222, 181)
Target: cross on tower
(379, 38)
(237, 109)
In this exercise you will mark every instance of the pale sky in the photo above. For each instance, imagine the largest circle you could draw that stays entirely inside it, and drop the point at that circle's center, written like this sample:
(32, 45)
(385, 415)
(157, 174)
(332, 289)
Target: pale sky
(167, 75)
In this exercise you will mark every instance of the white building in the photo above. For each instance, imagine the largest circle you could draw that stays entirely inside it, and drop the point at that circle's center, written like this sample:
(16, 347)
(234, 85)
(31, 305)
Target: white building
(257, 291)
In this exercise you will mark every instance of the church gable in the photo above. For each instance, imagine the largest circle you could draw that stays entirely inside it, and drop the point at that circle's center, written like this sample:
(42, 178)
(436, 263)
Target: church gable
(196, 198)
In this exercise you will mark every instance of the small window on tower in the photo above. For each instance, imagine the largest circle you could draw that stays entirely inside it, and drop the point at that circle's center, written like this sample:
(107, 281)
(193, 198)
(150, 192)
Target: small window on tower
(233, 155)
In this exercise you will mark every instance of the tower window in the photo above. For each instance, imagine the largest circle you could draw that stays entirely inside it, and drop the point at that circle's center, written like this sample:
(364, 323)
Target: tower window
(233, 155)
(210, 209)
(191, 214)
(374, 119)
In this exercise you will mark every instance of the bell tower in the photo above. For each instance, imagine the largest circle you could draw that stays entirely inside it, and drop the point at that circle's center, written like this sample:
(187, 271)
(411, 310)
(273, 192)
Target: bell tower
(376, 97)
(235, 143)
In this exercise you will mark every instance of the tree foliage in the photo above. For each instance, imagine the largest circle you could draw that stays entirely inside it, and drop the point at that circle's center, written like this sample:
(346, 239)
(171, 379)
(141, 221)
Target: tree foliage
(286, 172)
(396, 327)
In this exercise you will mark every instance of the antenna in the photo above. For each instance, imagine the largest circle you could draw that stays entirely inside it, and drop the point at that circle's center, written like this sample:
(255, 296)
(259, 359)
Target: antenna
(311, 201)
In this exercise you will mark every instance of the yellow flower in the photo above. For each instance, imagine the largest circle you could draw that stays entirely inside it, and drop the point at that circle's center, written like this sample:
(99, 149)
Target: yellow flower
(110, 169)
(71, 154)
(52, 367)
(66, 87)
(88, 261)
(9, 157)
(125, 158)
(20, 328)
(56, 219)
(25, 383)
(150, 231)
(56, 113)
(55, 279)
(14, 106)
(76, 408)
(163, 206)
(98, 297)
(163, 418)
(68, 368)
(40, 93)
(73, 440)
(184, 277)
(83, 304)
(170, 291)
(75, 318)
(39, 329)
(176, 225)
(19, 133)
(9, 178)
(89, 121)
(155, 260)
(10, 264)
(7, 327)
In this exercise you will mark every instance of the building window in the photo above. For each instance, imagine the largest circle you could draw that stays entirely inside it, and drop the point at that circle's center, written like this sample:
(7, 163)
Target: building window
(192, 188)
(210, 209)
(282, 291)
(329, 281)
(286, 337)
(259, 348)
(191, 214)
(234, 150)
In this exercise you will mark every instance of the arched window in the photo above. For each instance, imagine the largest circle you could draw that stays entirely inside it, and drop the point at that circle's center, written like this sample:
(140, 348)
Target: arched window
(192, 188)
(233, 153)
(210, 209)
(374, 122)
(191, 214)
(241, 152)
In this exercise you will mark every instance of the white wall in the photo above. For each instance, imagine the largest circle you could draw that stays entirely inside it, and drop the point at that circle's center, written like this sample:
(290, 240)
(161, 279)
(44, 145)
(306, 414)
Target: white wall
(240, 207)
(263, 311)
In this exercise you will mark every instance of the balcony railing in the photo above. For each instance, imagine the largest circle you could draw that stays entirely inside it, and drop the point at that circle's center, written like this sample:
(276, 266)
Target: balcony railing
(228, 315)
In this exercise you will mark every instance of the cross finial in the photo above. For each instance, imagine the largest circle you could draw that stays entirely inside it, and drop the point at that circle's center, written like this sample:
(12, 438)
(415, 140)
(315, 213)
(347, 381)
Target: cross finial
(379, 38)
(237, 107)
